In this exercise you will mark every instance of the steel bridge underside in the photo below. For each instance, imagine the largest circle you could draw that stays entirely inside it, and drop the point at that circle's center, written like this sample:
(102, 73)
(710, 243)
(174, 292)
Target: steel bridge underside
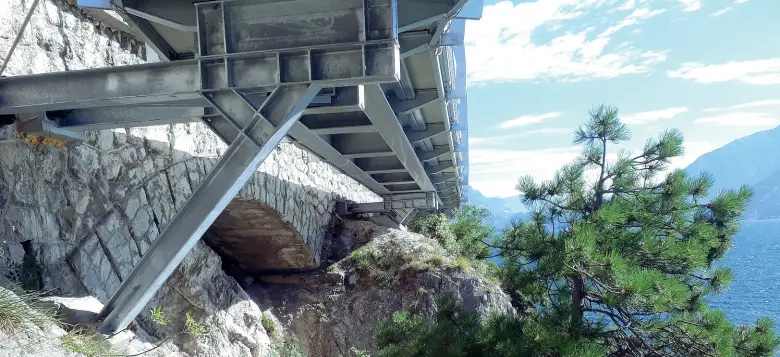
(374, 87)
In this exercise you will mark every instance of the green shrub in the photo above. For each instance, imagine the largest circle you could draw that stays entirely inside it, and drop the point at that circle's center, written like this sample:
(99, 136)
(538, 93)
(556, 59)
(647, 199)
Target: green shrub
(193, 327)
(158, 316)
(462, 263)
(268, 324)
(462, 234)
(368, 258)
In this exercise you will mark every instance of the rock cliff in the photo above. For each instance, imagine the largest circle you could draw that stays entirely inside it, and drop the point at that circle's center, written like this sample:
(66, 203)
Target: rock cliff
(376, 271)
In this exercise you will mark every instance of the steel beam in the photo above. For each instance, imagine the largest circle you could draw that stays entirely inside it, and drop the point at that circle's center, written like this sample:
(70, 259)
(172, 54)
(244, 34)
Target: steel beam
(436, 153)
(165, 13)
(346, 129)
(421, 200)
(441, 166)
(184, 111)
(413, 43)
(443, 178)
(402, 191)
(326, 66)
(252, 140)
(442, 26)
(151, 37)
(409, 216)
(431, 131)
(421, 99)
(393, 178)
(317, 145)
(127, 117)
(401, 182)
(385, 171)
(359, 155)
(415, 14)
(380, 113)
(379, 165)
(406, 83)
(43, 126)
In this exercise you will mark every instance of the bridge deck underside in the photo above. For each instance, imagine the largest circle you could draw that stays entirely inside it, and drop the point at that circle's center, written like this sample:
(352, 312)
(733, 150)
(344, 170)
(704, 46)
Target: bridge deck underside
(411, 137)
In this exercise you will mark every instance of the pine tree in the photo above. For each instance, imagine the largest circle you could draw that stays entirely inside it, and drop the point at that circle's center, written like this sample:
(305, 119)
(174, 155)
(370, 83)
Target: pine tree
(452, 333)
(618, 256)
(616, 260)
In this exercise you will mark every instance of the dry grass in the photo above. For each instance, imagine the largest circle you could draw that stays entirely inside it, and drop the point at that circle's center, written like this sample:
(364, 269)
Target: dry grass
(19, 312)
(86, 341)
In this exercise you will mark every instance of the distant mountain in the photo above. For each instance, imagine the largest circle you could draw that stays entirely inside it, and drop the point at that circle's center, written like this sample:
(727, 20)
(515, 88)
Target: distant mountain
(753, 160)
(502, 210)
(766, 200)
(747, 160)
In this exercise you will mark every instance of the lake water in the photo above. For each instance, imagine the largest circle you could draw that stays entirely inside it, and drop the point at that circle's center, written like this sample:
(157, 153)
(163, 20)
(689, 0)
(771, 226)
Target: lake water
(755, 260)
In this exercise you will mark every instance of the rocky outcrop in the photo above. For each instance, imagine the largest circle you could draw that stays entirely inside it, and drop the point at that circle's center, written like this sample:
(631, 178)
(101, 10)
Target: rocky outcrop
(332, 311)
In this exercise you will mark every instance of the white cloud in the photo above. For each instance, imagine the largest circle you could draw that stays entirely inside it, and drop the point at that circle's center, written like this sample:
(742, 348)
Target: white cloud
(528, 120)
(722, 11)
(551, 131)
(741, 119)
(690, 5)
(495, 172)
(628, 5)
(499, 140)
(499, 47)
(758, 72)
(740, 1)
(639, 15)
(754, 104)
(650, 116)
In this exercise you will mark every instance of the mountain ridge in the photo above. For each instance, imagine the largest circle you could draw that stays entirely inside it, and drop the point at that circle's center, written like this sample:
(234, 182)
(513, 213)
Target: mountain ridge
(753, 160)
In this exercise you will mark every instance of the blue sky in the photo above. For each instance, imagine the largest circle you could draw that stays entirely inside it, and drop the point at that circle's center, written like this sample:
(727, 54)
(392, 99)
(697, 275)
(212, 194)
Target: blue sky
(710, 68)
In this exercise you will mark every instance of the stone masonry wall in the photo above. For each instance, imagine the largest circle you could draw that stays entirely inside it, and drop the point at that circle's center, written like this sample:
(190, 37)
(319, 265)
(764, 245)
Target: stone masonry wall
(88, 211)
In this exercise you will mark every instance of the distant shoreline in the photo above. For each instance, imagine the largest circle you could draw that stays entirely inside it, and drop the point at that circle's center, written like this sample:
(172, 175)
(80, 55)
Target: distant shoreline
(759, 219)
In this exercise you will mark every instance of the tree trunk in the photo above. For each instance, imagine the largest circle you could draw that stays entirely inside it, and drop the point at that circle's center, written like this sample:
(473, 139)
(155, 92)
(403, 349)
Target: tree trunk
(577, 296)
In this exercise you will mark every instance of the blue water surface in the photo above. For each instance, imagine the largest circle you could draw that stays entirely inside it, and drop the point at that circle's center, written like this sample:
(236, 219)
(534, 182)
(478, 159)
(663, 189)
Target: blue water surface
(755, 261)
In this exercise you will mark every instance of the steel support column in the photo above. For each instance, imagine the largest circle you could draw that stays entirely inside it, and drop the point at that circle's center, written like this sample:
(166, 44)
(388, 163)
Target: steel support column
(251, 139)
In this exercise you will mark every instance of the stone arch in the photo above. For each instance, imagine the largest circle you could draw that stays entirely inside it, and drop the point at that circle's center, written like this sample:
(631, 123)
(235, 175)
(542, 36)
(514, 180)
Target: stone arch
(256, 239)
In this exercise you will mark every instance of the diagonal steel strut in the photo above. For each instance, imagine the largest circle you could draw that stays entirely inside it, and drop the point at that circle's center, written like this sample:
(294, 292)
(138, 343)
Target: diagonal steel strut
(252, 138)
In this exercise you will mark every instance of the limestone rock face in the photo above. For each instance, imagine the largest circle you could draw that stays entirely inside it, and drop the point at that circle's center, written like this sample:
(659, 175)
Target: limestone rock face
(331, 312)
